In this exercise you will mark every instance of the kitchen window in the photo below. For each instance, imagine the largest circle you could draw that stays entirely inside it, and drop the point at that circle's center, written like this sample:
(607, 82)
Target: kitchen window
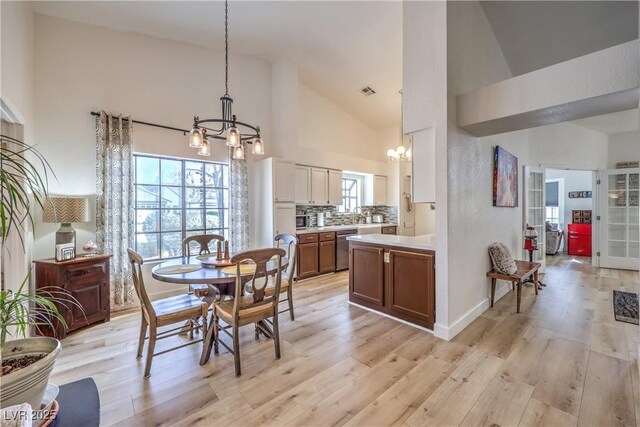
(177, 198)
(351, 194)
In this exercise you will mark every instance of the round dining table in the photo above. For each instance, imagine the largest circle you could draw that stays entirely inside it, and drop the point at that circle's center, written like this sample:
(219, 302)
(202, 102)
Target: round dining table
(219, 283)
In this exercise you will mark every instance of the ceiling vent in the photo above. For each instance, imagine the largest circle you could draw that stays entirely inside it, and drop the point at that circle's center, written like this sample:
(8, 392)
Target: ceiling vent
(368, 91)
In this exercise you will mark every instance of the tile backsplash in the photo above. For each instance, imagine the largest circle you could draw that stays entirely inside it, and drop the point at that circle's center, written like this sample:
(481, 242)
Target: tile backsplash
(390, 214)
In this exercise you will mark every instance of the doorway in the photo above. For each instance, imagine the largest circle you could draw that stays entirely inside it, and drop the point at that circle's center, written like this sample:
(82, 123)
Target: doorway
(570, 213)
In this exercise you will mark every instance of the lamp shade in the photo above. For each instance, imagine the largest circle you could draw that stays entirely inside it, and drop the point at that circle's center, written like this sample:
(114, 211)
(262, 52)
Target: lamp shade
(66, 209)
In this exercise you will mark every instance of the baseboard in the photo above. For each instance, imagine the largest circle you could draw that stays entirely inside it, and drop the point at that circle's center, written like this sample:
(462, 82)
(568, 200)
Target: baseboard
(448, 332)
(422, 328)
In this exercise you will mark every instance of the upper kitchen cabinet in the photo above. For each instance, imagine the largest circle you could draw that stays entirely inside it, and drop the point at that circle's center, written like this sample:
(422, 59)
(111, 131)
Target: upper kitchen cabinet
(335, 187)
(379, 190)
(303, 184)
(423, 148)
(283, 180)
(319, 186)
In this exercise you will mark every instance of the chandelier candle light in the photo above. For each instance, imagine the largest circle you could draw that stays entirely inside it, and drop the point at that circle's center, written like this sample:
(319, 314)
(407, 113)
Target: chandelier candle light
(235, 133)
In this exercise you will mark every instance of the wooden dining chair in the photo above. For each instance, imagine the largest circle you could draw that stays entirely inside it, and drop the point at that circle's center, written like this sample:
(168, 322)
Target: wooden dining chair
(253, 308)
(167, 311)
(290, 244)
(203, 241)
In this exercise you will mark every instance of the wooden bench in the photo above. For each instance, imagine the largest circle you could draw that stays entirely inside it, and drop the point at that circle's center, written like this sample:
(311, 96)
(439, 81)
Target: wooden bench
(525, 269)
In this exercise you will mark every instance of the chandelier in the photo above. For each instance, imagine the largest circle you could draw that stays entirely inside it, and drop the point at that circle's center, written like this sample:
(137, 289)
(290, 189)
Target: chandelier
(234, 132)
(400, 153)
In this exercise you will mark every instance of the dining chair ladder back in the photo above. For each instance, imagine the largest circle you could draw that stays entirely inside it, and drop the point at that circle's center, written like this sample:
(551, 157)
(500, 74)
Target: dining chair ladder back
(290, 244)
(163, 312)
(252, 303)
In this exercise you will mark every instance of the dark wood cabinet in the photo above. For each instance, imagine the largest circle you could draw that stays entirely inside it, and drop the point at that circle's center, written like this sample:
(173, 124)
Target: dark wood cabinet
(366, 275)
(87, 280)
(316, 254)
(390, 229)
(327, 257)
(396, 281)
(410, 284)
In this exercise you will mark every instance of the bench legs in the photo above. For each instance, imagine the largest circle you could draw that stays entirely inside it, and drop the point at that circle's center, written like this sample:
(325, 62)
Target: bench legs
(493, 290)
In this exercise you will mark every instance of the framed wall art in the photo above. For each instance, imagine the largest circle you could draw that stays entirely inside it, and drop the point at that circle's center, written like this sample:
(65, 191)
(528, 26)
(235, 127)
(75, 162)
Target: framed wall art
(505, 178)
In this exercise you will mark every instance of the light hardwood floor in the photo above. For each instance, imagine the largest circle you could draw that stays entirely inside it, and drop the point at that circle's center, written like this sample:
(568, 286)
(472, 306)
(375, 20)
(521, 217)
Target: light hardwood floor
(563, 361)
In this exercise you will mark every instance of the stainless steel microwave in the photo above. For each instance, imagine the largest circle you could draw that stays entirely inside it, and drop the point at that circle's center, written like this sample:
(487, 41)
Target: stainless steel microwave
(303, 221)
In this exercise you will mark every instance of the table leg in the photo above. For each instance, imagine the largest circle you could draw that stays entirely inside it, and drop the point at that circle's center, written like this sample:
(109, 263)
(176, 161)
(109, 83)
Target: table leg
(519, 285)
(535, 281)
(208, 342)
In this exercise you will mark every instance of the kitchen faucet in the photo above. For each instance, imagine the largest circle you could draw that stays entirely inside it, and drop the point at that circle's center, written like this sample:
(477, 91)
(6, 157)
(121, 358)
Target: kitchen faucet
(355, 215)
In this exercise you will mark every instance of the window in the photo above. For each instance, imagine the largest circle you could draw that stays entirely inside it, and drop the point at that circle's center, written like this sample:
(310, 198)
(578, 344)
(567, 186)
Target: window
(177, 198)
(351, 194)
(553, 214)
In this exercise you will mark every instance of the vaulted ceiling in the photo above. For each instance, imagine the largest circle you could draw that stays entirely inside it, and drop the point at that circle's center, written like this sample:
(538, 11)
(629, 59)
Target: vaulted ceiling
(537, 34)
(339, 47)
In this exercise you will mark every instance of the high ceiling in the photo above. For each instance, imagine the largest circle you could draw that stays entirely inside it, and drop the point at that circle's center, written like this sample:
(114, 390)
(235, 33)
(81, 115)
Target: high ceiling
(339, 47)
(612, 123)
(537, 34)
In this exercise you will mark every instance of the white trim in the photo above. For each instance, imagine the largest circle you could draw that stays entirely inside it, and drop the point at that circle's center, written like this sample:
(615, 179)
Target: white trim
(422, 328)
(9, 113)
(448, 333)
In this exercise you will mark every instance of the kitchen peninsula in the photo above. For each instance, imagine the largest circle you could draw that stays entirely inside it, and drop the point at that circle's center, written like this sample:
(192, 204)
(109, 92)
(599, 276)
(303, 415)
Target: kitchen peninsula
(394, 275)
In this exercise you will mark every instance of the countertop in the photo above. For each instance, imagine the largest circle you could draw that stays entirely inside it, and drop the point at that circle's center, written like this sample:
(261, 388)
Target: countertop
(342, 227)
(426, 242)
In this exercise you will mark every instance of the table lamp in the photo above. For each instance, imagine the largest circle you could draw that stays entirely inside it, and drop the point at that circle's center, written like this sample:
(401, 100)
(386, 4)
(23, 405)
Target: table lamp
(66, 210)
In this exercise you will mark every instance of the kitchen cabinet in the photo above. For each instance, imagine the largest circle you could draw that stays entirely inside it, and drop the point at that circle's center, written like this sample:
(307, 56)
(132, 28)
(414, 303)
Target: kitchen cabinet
(379, 190)
(393, 280)
(303, 185)
(308, 255)
(319, 186)
(283, 181)
(284, 216)
(275, 207)
(366, 275)
(87, 280)
(423, 165)
(316, 254)
(389, 229)
(407, 274)
(335, 187)
(327, 253)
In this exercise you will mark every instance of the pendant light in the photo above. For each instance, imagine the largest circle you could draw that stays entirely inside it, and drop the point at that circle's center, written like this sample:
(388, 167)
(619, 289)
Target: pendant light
(400, 153)
(235, 133)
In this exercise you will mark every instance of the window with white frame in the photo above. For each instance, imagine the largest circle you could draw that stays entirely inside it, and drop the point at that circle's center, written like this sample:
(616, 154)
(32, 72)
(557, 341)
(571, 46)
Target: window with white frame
(351, 193)
(177, 198)
(553, 214)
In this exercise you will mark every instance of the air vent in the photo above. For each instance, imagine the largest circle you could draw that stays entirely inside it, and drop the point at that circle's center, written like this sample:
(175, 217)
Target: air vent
(368, 91)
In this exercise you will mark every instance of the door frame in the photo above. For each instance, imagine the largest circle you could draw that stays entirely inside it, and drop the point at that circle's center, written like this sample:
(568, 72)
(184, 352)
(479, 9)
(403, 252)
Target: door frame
(525, 212)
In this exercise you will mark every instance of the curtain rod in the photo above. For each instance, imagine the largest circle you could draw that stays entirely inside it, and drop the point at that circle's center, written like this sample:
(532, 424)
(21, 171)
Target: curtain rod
(97, 114)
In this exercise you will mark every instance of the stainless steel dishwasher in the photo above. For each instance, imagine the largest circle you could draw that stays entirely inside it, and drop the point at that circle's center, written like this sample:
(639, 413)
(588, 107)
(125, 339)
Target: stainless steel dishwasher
(342, 248)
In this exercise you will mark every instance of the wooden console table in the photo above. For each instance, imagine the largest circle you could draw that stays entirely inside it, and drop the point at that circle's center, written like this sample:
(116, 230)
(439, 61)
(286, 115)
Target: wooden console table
(525, 269)
(87, 280)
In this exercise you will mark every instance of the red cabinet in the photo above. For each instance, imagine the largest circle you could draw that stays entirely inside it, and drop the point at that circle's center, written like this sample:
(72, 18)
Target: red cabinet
(579, 240)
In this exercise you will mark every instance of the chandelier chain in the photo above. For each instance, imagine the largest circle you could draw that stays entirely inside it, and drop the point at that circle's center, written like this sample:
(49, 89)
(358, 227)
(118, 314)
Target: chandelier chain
(226, 47)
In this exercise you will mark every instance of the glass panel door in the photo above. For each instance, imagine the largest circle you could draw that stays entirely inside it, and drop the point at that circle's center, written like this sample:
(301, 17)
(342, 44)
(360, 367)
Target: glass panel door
(535, 209)
(619, 226)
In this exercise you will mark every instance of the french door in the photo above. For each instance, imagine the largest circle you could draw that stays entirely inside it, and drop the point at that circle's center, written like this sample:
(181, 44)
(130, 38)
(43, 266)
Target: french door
(534, 210)
(619, 223)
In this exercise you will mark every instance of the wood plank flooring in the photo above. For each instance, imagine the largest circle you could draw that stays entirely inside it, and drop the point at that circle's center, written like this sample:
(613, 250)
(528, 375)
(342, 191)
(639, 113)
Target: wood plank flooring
(563, 361)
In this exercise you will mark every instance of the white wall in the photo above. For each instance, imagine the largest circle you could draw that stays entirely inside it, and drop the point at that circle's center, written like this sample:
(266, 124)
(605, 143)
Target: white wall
(474, 222)
(623, 147)
(16, 92)
(574, 180)
(82, 68)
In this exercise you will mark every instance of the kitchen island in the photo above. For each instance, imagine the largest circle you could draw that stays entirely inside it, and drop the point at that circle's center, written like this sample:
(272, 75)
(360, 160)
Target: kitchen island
(394, 275)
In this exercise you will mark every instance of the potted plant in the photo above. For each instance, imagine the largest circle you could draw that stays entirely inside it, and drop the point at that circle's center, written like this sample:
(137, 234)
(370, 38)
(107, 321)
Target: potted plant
(26, 362)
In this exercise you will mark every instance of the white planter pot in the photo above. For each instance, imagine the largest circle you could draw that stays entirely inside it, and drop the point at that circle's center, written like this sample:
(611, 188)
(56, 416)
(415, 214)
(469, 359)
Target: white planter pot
(28, 384)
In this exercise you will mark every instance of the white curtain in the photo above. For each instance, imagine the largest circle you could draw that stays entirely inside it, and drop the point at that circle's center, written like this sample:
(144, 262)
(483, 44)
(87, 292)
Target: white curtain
(114, 201)
(238, 205)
